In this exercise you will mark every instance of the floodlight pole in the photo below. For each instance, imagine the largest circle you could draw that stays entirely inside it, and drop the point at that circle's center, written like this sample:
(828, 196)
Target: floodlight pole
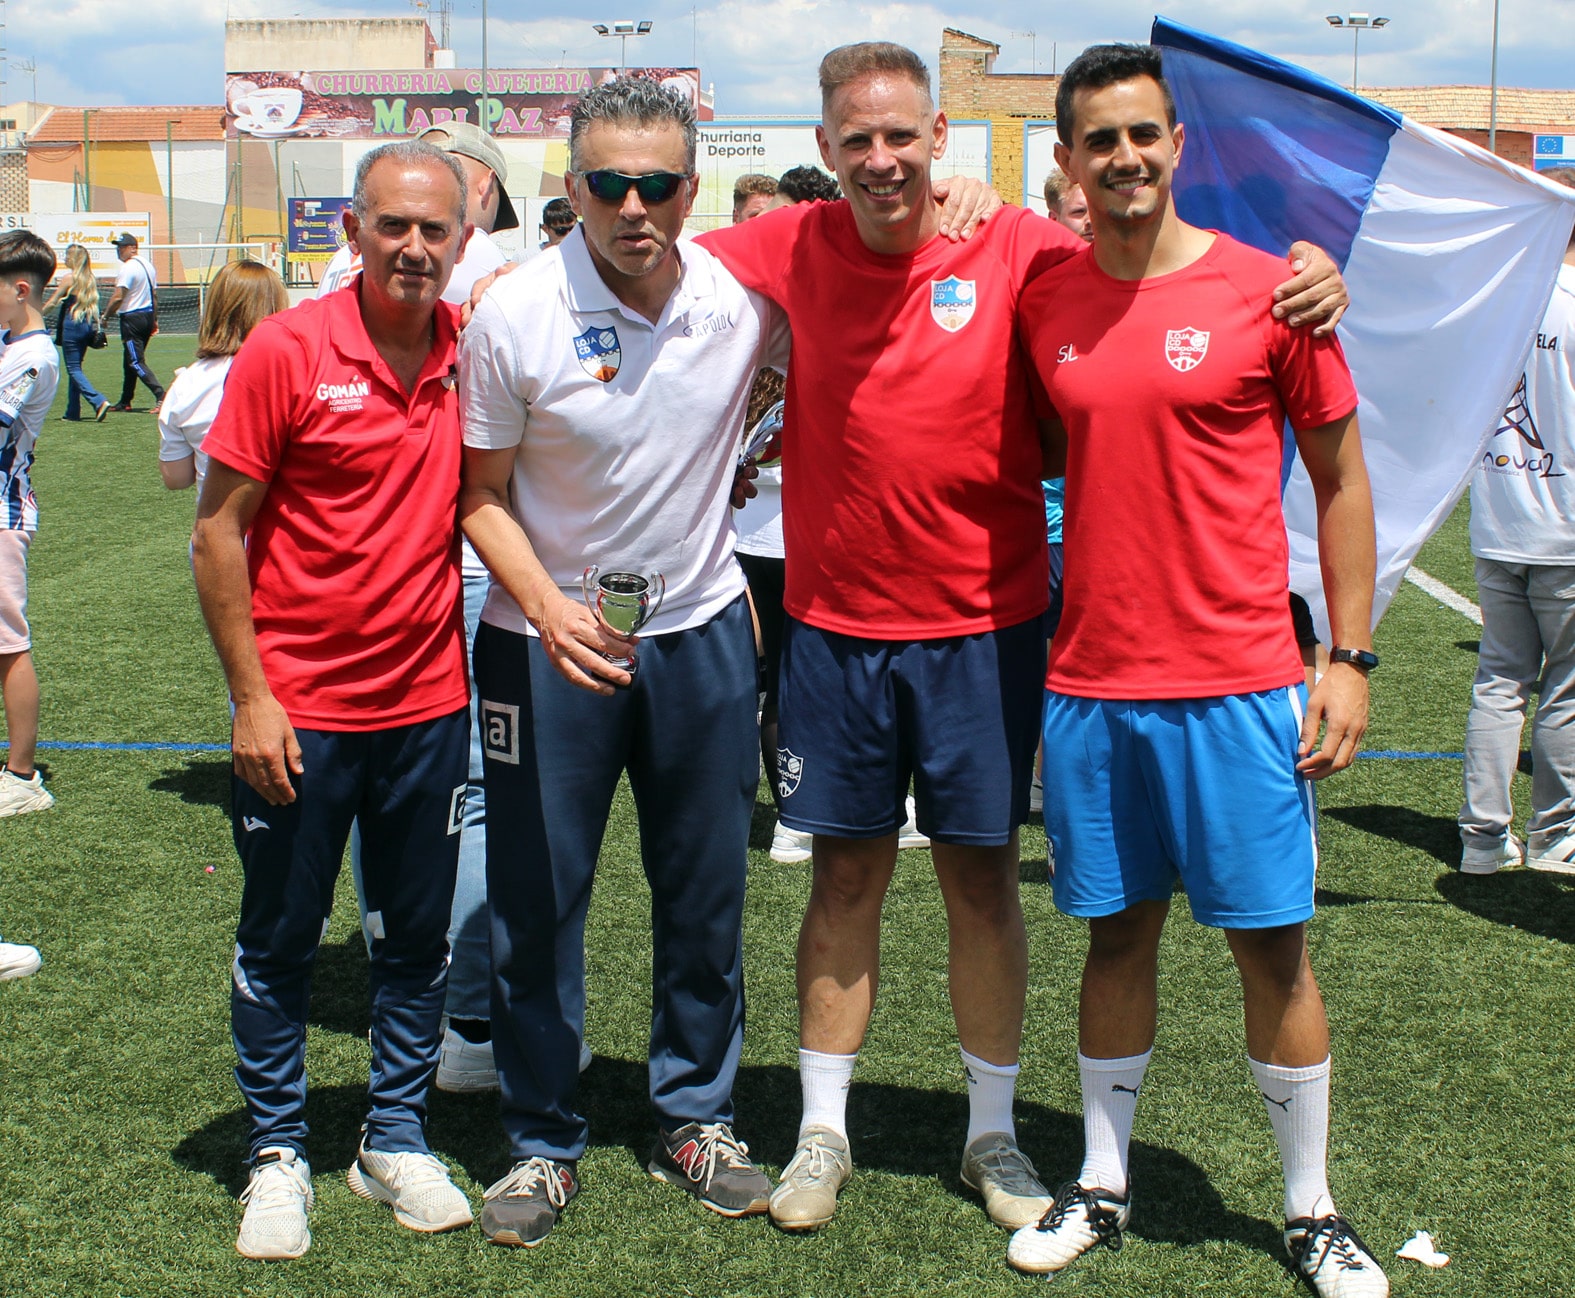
(1493, 89)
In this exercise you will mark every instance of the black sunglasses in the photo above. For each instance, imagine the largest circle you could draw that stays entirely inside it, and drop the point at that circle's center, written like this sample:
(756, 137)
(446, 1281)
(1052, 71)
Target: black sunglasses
(614, 186)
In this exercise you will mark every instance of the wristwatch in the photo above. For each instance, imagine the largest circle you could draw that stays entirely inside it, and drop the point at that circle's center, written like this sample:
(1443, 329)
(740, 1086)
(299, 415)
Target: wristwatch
(1365, 659)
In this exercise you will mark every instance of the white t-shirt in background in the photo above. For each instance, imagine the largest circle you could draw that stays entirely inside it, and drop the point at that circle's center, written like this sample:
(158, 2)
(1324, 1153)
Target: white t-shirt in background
(189, 409)
(1523, 495)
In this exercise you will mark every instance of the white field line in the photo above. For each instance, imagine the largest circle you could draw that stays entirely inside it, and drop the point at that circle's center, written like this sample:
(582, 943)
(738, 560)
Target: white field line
(1445, 595)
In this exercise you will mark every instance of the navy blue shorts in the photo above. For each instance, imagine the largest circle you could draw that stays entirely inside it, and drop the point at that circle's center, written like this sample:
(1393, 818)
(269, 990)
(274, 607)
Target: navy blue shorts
(958, 717)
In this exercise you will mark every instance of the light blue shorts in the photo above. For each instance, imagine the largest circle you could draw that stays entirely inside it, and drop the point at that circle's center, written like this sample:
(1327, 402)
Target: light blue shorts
(1138, 793)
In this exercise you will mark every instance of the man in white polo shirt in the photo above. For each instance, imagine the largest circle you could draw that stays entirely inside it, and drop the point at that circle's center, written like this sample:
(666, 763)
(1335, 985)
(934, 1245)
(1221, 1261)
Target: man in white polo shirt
(135, 303)
(604, 388)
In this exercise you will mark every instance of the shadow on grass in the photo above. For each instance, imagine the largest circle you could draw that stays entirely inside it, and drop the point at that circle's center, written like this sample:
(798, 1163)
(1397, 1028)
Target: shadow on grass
(1438, 836)
(1470, 646)
(899, 1130)
(1538, 903)
(762, 823)
(202, 782)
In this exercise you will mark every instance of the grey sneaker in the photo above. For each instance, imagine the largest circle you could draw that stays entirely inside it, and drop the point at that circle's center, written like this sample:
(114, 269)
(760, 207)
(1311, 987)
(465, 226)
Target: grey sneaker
(415, 1185)
(708, 1161)
(1079, 1220)
(277, 1197)
(995, 1168)
(465, 1067)
(522, 1208)
(1493, 856)
(1557, 857)
(807, 1195)
(1329, 1254)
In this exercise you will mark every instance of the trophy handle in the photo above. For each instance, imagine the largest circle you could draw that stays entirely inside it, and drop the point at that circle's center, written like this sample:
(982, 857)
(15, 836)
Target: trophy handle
(587, 581)
(658, 585)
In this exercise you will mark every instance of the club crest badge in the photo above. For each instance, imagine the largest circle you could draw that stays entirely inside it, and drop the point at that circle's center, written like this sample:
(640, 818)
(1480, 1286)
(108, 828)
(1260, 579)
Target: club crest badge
(598, 352)
(951, 302)
(790, 770)
(1186, 348)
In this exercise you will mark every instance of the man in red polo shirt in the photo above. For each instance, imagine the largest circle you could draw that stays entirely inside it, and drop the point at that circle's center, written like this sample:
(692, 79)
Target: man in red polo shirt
(327, 563)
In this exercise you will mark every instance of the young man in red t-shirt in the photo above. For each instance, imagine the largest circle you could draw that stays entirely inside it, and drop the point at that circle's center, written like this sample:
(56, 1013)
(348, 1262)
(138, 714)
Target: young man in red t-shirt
(327, 562)
(916, 582)
(1176, 741)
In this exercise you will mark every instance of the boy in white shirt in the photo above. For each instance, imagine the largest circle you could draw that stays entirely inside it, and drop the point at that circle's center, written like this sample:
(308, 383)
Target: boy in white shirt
(29, 374)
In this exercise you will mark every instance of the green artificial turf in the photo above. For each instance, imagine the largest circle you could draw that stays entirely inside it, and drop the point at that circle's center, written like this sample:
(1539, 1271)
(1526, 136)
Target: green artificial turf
(122, 1135)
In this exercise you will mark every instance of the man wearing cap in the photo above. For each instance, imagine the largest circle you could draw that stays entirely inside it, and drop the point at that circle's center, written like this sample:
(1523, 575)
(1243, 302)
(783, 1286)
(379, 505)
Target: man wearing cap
(133, 304)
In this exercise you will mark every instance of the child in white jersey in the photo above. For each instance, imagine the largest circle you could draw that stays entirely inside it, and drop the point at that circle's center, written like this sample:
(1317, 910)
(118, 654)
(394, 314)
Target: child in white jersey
(29, 374)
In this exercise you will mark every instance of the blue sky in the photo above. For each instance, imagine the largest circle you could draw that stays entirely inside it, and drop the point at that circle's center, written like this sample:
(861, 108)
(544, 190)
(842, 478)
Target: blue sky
(761, 54)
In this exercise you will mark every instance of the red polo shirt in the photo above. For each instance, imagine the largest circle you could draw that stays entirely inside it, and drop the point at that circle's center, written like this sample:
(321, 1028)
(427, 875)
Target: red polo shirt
(354, 554)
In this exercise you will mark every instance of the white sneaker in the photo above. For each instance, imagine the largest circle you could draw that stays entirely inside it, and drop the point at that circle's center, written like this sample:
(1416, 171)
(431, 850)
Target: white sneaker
(1330, 1256)
(415, 1185)
(1036, 797)
(1000, 1173)
(1557, 857)
(908, 835)
(586, 1057)
(807, 1195)
(788, 846)
(1080, 1219)
(18, 961)
(465, 1067)
(1489, 858)
(277, 1198)
(19, 796)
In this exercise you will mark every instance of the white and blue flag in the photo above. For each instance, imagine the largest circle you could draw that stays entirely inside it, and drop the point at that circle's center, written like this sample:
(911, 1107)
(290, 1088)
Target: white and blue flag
(1450, 254)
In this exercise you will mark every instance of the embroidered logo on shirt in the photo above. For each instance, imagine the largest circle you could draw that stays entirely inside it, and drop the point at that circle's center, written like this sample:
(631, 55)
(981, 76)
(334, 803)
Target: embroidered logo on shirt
(598, 352)
(1185, 348)
(344, 397)
(951, 302)
(713, 324)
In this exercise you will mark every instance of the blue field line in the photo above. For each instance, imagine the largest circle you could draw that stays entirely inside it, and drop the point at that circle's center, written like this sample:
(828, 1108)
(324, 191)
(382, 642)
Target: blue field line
(1379, 754)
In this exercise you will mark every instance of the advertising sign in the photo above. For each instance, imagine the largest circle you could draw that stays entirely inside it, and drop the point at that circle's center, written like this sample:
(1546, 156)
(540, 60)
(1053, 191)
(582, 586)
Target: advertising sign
(95, 231)
(317, 230)
(374, 105)
(1553, 151)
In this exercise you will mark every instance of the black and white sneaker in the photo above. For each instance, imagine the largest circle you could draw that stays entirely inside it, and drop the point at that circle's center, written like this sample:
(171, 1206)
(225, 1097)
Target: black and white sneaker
(1329, 1254)
(522, 1208)
(1079, 1219)
(712, 1164)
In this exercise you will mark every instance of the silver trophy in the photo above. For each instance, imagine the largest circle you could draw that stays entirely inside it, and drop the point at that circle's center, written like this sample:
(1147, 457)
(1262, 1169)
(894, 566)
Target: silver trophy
(761, 435)
(623, 603)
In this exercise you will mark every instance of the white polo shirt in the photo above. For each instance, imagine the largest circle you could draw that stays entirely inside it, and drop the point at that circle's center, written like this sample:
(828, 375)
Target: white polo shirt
(627, 432)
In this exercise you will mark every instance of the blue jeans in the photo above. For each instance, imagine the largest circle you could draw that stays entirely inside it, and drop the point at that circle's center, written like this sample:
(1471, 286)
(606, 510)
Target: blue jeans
(74, 334)
(469, 935)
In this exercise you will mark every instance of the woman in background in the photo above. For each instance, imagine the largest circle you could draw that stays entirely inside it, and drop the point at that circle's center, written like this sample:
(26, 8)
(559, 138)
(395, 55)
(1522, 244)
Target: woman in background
(242, 293)
(79, 321)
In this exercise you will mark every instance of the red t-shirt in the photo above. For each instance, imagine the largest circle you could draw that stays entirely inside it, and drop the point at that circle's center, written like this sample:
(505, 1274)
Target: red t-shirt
(1174, 392)
(354, 553)
(910, 484)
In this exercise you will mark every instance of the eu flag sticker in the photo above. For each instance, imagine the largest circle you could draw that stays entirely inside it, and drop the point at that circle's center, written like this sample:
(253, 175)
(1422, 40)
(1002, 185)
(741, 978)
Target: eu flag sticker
(598, 352)
(951, 302)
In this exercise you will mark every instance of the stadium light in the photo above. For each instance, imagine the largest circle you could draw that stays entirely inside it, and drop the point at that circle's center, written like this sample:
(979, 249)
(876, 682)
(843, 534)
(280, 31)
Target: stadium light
(1356, 22)
(1493, 90)
(623, 29)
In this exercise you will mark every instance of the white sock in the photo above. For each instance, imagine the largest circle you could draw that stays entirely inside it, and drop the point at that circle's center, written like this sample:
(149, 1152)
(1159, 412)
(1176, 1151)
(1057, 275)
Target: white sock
(825, 1079)
(1110, 1096)
(990, 1091)
(1297, 1101)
